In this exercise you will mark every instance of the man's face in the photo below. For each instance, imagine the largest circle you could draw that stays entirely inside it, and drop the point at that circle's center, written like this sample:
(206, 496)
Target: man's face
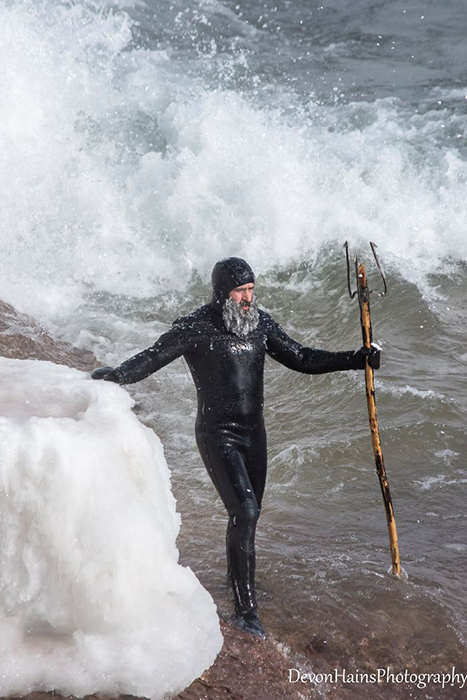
(243, 295)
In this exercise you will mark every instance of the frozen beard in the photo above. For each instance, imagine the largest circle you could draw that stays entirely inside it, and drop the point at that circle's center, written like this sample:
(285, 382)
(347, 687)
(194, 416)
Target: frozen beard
(238, 320)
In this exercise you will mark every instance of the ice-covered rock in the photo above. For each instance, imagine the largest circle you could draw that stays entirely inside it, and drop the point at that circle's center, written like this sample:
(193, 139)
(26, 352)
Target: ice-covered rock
(92, 598)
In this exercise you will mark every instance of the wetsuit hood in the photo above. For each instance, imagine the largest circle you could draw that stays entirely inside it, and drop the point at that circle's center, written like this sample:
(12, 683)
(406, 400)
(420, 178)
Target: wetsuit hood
(226, 275)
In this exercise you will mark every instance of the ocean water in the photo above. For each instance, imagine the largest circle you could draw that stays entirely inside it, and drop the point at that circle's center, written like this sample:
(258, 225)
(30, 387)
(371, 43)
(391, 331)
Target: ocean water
(139, 143)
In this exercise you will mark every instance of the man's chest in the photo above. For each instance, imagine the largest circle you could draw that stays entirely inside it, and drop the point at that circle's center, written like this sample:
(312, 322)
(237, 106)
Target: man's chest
(221, 348)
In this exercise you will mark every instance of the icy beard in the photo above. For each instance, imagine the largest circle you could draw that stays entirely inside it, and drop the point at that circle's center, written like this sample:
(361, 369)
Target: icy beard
(238, 321)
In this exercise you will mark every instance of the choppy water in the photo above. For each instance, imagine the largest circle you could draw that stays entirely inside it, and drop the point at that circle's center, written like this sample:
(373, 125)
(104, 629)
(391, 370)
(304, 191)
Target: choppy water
(141, 142)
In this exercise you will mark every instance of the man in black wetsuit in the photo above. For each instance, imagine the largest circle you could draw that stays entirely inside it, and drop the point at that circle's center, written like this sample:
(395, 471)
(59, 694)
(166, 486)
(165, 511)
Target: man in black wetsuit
(224, 344)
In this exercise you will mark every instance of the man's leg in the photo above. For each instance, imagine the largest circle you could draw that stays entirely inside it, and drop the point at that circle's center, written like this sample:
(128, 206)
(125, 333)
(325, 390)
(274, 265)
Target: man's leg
(256, 465)
(221, 451)
(254, 452)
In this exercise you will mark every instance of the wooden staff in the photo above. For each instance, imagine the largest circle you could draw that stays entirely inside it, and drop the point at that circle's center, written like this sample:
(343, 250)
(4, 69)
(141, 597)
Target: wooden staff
(365, 319)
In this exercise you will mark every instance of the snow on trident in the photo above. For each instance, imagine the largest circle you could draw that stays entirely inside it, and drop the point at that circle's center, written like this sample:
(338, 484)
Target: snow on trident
(92, 598)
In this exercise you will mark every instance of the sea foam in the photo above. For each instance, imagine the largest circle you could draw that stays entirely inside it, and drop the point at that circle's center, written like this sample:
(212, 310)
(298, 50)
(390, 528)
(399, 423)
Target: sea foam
(139, 172)
(92, 598)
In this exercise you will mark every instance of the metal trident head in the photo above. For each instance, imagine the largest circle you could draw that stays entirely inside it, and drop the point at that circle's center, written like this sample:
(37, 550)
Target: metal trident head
(378, 265)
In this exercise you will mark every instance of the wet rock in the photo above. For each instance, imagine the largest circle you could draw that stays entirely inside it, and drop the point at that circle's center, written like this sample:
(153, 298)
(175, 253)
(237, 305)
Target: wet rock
(23, 338)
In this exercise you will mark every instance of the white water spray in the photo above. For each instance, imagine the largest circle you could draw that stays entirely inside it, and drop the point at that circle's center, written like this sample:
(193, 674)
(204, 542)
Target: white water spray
(122, 173)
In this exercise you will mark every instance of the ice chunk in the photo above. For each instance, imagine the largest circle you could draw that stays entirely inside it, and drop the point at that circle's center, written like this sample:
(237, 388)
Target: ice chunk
(92, 598)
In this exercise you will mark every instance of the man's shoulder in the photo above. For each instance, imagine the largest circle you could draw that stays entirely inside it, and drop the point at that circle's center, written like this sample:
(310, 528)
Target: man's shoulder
(196, 320)
(265, 317)
(269, 325)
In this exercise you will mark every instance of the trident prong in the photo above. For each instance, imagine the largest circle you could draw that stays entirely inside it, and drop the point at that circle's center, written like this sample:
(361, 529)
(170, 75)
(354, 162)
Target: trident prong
(346, 246)
(381, 272)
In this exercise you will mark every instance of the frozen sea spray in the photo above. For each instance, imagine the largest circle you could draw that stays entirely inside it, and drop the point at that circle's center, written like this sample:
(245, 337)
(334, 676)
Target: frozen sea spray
(92, 598)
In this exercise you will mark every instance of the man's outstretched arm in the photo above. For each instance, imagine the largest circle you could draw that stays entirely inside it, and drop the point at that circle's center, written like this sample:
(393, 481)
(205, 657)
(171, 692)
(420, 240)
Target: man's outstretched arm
(166, 349)
(295, 356)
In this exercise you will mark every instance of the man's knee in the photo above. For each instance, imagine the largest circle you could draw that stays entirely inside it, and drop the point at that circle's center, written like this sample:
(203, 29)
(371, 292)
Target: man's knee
(246, 514)
(251, 510)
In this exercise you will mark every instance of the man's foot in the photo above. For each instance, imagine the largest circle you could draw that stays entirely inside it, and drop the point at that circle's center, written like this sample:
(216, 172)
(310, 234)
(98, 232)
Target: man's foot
(249, 622)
